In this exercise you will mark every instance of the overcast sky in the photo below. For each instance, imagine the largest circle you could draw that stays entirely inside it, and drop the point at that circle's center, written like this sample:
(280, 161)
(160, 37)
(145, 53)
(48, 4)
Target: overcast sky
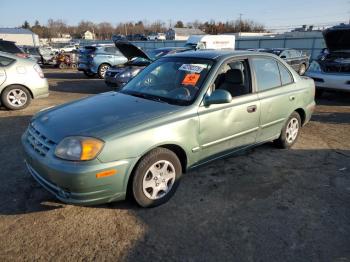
(275, 14)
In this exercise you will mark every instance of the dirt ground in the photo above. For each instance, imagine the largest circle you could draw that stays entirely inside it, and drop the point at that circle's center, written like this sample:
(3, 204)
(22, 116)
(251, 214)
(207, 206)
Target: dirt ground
(266, 204)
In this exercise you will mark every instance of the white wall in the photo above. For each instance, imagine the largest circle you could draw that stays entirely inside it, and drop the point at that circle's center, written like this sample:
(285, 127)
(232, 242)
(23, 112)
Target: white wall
(22, 39)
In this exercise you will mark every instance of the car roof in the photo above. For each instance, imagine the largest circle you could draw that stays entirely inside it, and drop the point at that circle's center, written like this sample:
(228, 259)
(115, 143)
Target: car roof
(217, 54)
(171, 48)
(9, 55)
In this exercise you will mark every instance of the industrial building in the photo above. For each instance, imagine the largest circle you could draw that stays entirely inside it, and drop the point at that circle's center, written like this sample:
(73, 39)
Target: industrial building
(19, 35)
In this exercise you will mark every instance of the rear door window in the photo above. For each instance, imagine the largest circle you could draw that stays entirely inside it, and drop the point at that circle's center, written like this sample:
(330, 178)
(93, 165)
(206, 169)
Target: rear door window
(266, 72)
(111, 50)
(286, 76)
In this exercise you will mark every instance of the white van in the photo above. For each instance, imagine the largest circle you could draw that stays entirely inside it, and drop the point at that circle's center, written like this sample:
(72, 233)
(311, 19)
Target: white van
(211, 42)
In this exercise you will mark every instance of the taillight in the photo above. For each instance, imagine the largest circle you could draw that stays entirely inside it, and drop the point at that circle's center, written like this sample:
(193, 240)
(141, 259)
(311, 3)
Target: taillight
(37, 68)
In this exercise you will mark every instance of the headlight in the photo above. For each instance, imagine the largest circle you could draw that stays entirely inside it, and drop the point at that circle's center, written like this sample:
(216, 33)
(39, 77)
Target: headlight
(129, 73)
(314, 67)
(79, 148)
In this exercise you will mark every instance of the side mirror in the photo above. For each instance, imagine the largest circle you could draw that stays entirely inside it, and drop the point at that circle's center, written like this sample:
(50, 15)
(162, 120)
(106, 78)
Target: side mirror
(219, 96)
(283, 57)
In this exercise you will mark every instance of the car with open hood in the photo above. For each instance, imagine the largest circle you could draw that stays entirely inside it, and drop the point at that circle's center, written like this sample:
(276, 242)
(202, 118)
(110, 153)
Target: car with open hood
(118, 76)
(96, 59)
(180, 112)
(331, 71)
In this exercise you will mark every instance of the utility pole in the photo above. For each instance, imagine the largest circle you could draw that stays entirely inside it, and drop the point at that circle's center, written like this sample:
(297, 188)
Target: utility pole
(240, 22)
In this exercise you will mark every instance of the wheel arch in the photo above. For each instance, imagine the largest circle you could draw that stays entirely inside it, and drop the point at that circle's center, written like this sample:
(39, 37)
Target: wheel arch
(302, 115)
(176, 149)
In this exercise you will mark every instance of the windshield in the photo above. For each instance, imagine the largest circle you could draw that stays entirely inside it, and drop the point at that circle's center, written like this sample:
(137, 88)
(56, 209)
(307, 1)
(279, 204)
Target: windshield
(155, 54)
(173, 80)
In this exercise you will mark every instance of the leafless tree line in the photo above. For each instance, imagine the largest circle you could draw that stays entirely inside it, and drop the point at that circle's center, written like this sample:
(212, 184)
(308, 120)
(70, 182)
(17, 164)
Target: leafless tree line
(105, 30)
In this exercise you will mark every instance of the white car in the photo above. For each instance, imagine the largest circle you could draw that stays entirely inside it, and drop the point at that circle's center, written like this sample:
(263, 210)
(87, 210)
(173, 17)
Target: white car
(68, 48)
(156, 36)
(21, 80)
(331, 71)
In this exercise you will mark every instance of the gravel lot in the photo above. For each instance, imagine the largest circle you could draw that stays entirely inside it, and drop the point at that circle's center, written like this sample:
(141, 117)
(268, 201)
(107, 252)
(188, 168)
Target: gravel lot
(266, 204)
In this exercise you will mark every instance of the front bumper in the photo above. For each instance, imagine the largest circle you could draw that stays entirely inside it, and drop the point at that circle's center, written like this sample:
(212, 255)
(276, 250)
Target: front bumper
(87, 67)
(330, 81)
(111, 81)
(75, 182)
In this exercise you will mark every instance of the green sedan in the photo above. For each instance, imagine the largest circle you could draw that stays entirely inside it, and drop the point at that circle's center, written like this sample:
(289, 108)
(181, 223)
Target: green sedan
(180, 112)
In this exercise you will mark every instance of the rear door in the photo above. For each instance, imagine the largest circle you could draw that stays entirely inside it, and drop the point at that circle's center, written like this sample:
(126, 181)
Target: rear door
(277, 93)
(4, 62)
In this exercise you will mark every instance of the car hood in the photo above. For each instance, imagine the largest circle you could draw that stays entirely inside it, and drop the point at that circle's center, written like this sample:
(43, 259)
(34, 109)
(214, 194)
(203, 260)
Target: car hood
(99, 116)
(337, 38)
(130, 51)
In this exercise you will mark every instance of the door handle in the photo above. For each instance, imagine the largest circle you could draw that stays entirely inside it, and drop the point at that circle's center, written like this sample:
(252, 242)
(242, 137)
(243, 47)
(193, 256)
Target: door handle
(251, 109)
(292, 98)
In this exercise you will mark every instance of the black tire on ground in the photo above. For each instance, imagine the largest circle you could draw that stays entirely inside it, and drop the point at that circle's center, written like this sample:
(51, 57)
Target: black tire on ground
(15, 97)
(302, 69)
(74, 66)
(283, 141)
(89, 74)
(62, 66)
(102, 69)
(140, 172)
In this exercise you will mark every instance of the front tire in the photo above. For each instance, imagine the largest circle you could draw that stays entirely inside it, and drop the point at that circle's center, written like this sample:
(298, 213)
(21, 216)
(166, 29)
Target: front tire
(156, 177)
(102, 69)
(15, 97)
(290, 131)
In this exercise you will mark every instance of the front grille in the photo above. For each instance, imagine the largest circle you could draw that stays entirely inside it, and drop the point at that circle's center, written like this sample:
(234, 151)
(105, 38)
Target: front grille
(39, 142)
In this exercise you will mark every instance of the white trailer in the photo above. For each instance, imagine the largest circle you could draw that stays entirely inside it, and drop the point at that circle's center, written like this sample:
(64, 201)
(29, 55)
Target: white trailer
(211, 41)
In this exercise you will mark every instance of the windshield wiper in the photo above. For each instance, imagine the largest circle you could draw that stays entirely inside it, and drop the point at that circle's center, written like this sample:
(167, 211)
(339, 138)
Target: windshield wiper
(148, 97)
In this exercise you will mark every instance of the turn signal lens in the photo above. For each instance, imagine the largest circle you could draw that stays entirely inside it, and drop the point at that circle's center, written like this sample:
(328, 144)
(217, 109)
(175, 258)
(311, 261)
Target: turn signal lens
(90, 148)
(106, 173)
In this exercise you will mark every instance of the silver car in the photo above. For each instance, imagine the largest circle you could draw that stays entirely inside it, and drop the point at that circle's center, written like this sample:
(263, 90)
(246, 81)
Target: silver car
(331, 70)
(21, 80)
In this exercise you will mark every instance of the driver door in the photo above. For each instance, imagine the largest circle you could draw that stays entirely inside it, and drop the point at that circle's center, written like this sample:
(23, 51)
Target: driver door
(234, 125)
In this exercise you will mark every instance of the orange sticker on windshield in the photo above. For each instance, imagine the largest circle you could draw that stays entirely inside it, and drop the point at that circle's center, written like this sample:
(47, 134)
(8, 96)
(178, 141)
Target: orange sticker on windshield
(191, 79)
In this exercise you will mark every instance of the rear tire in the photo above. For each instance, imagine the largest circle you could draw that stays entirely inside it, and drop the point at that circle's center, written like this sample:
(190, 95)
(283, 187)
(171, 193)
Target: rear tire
(102, 69)
(15, 97)
(290, 132)
(156, 177)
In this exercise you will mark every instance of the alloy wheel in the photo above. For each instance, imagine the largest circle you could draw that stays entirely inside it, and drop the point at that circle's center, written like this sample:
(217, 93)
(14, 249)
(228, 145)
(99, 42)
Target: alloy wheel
(17, 97)
(292, 130)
